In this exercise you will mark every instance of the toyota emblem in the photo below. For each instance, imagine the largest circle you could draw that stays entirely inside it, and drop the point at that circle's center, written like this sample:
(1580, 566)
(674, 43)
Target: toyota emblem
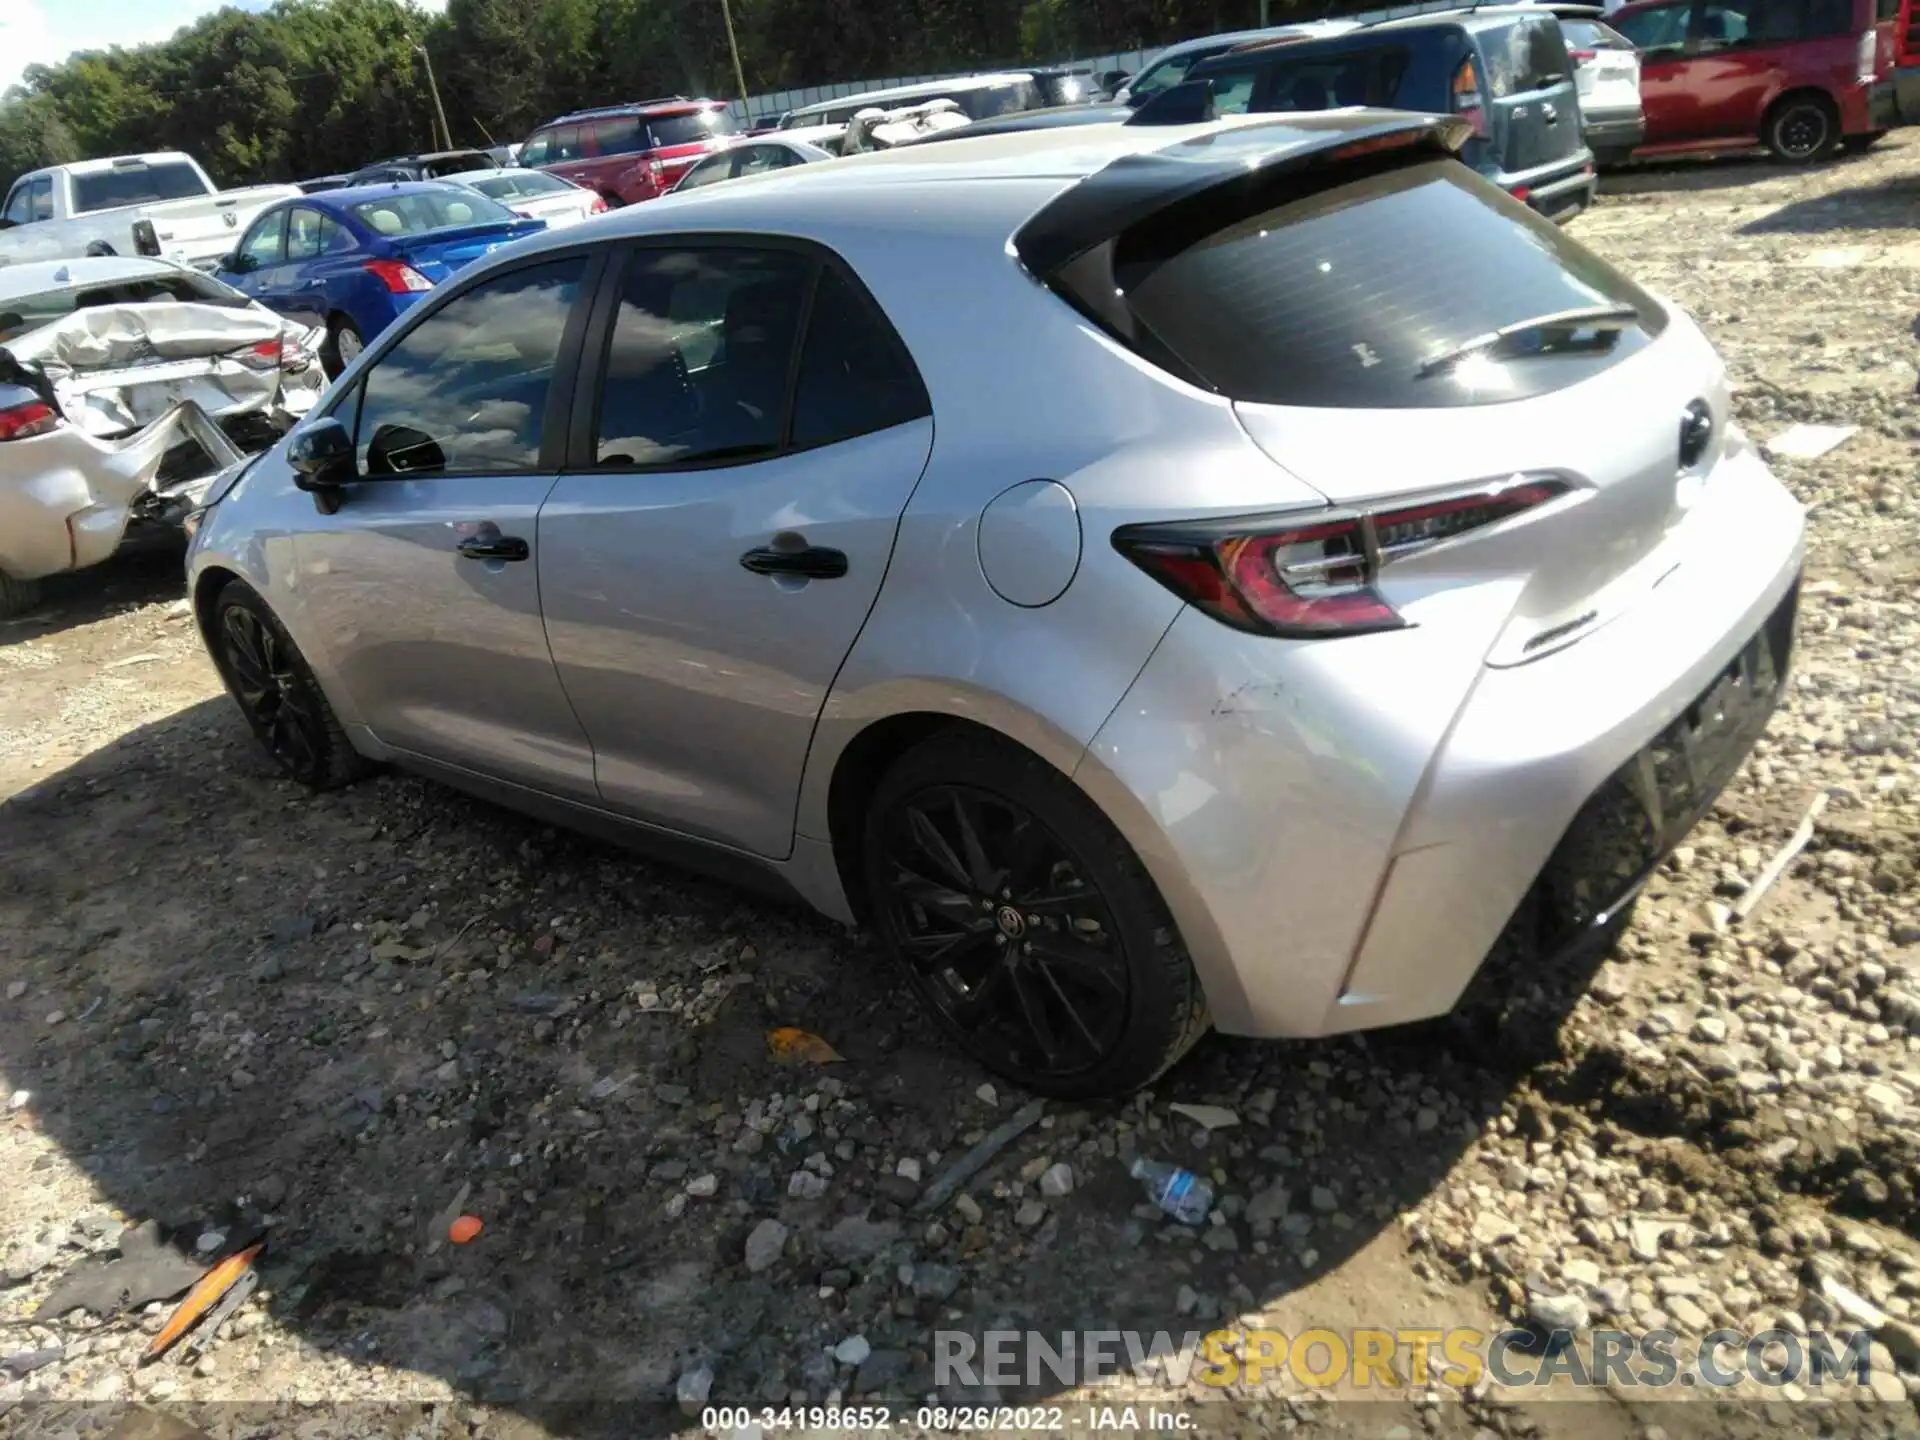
(1696, 433)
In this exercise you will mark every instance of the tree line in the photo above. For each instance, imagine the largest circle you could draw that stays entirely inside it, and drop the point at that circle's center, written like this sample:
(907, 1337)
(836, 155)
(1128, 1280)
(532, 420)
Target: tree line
(311, 87)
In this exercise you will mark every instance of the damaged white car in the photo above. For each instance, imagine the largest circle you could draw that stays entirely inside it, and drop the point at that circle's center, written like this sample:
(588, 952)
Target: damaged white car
(125, 385)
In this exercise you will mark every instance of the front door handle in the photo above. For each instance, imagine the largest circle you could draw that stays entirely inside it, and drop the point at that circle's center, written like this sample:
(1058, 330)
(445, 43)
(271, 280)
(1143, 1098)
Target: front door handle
(492, 545)
(815, 562)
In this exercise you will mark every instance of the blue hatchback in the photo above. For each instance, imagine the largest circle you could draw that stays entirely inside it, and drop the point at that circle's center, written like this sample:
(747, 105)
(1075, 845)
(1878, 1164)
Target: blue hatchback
(351, 260)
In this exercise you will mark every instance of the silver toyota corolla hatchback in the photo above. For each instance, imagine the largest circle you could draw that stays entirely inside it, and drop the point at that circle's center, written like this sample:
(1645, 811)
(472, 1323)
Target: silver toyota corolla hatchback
(1233, 574)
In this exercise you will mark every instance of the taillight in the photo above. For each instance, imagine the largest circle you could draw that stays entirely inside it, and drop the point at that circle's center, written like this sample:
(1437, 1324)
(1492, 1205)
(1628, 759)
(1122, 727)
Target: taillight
(1581, 57)
(1869, 54)
(1521, 193)
(1313, 578)
(17, 422)
(656, 175)
(399, 277)
(1466, 96)
(598, 205)
(267, 355)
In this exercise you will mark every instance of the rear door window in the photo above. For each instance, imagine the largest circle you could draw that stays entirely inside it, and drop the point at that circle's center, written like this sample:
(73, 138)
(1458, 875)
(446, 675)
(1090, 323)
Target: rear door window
(670, 130)
(1661, 30)
(1322, 302)
(1730, 24)
(856, 377)
(466, 389)
(619, 135)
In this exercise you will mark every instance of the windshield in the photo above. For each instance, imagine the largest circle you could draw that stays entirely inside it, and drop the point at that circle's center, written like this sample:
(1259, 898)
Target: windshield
(426, 210)
(690, 129)
(1168, 72)
(137, 184)
(516, 187)
(21, 313)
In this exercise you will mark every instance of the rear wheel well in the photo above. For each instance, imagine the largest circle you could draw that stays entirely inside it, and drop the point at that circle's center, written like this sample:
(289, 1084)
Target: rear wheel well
(857, 774)
(206, 590)
(1801, 95)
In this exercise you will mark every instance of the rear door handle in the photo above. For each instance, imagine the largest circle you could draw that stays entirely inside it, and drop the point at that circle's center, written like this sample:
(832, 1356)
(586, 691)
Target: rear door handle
(492, 545)
(815, 562)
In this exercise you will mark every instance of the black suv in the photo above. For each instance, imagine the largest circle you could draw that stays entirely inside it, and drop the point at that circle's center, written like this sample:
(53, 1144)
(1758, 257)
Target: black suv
(1505, 70)
(423, 167)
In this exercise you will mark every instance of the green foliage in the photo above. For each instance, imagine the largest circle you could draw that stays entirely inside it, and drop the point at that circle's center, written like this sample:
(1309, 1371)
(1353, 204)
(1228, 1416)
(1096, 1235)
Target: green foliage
(309, 87)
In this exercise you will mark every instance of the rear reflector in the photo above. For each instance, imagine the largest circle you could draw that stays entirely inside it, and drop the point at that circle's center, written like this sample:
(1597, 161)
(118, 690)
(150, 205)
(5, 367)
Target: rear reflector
(17, 422)
(399, 277)
(1315, 578)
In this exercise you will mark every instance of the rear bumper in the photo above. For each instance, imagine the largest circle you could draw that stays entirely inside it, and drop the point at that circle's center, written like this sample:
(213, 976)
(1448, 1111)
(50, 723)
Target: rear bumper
(1614, 132)
(1560, 193)
(1340, 854)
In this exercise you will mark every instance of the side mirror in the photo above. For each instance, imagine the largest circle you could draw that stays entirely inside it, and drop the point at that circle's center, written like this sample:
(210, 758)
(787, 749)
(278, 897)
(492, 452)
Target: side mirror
(321, 456)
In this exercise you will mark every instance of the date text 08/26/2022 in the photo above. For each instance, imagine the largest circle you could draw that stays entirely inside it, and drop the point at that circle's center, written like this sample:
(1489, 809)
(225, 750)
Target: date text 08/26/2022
(956, 1419)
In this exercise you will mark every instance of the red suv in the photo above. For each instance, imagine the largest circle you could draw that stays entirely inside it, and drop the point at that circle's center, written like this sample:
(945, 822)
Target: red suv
(632, 152)
(1801, 77)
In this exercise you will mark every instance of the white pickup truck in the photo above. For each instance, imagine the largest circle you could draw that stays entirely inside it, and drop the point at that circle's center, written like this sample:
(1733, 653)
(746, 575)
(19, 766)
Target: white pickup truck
(161, 204)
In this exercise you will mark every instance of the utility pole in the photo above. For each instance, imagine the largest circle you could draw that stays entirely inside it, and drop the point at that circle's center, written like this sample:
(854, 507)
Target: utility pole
(434, 86)
(739, 75)
(1263, 13)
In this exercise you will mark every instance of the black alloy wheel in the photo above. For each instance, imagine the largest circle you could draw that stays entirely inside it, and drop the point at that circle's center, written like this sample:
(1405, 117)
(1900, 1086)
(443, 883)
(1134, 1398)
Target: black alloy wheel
(1005, 937)
(277, 693)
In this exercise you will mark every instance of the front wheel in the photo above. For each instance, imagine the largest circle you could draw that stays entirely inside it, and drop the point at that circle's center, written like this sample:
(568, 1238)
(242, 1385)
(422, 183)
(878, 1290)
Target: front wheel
(342, 346)
(1025, 922)
(1803, 129)
(276, 690)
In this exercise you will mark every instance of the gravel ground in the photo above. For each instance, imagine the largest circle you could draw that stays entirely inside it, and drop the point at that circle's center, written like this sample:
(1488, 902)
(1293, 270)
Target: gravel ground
(226, 1003)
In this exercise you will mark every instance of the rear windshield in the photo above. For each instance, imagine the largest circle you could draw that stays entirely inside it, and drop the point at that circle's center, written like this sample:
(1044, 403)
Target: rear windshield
(454, 164)
(426, 210)
(690, 129)
(21, 313)
(1355, 297)
(515, 187)
(1526, 55)
(135, 185)
(1592, 35)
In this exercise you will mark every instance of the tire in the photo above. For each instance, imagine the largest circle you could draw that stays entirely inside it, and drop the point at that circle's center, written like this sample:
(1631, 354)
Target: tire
(1860, 144)
(17, 596)
(277, 692)
(1802, 129)
(342, 346)
(1098, 961)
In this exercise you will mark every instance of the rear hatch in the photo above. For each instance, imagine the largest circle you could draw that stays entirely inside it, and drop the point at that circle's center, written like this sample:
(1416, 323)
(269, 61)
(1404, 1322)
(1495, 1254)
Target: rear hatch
(681, 139)
(1606, 68)
(1532, 98)
(1498, 396)
(436, 254)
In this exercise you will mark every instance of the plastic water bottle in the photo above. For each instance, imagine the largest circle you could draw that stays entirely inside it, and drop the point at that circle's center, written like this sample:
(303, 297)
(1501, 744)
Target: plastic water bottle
(1182, 1194)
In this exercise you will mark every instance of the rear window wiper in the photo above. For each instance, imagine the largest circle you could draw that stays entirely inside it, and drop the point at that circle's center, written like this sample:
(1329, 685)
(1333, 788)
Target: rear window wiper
(1585, 317)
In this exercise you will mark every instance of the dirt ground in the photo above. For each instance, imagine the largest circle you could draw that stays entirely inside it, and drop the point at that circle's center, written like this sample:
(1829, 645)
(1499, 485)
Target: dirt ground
(225, 1004)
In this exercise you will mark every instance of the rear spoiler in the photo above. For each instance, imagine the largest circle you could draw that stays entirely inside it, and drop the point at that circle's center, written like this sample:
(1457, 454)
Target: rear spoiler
(1229, 167)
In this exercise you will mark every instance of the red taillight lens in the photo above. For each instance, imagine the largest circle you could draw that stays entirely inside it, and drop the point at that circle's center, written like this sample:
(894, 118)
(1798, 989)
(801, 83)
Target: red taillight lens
(399, 277)
(1521, 193)
(267, 355)
(1466, 96)
(1316, 579)
(17, 422)
(1581, 57)
(599, 205)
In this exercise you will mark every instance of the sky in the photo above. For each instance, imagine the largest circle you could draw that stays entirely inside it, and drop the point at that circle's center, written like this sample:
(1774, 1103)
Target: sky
(41, 32)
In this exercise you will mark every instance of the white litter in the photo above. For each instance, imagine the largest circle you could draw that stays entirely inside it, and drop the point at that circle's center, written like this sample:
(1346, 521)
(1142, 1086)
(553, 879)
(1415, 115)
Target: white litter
(1810, 442)
(1209, 1117)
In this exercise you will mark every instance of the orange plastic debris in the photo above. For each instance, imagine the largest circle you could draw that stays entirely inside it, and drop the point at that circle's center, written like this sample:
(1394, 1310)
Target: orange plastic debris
(467, 1227)
(205, 1293)
(792, 1046)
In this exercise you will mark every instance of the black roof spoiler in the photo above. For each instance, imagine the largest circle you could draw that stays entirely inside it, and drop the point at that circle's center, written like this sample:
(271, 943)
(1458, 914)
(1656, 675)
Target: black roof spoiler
(1221, 163)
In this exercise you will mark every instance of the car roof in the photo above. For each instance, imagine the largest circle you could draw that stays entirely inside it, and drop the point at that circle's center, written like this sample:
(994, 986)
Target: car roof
(34, 277)
(494, 172)
(989, 183)
(665, 105)
(1483, 17)
(378, 190)
(1313, 29)
(956, 85)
